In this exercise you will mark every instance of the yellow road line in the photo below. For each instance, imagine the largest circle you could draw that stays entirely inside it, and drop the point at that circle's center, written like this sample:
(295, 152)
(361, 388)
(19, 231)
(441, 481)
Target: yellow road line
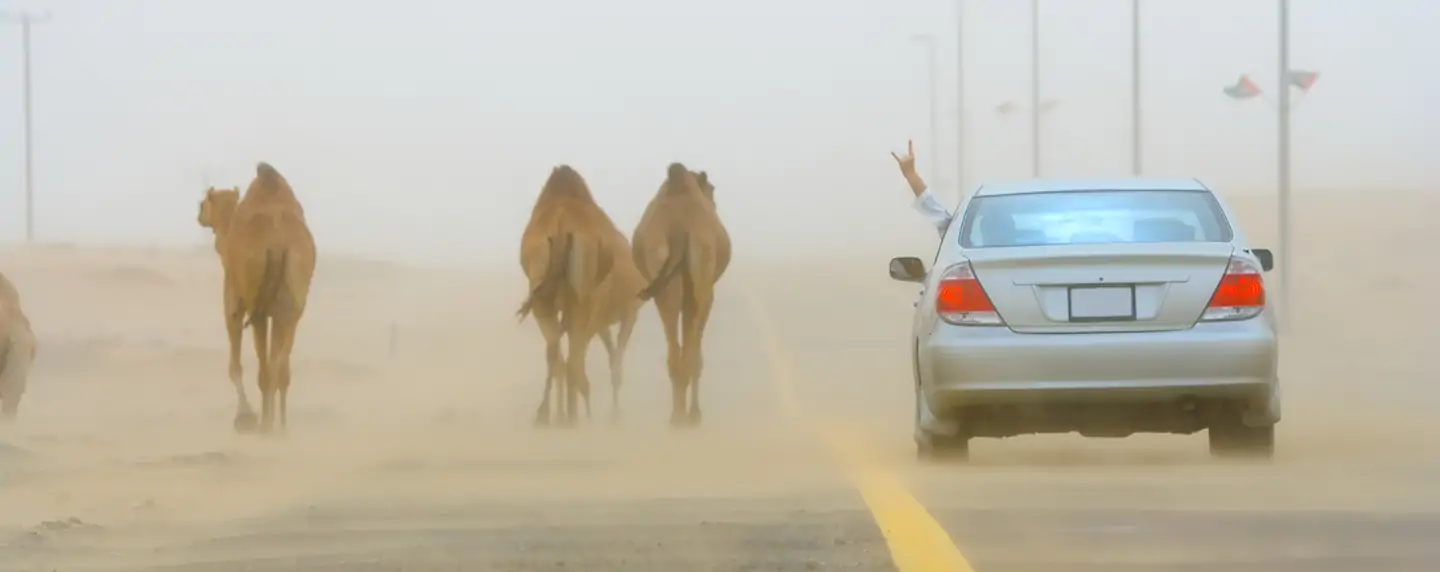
(917, 542)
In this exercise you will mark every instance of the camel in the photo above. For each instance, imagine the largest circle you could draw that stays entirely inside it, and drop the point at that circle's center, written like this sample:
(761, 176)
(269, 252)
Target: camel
(268, 257)
(216, 211)
(681, 236)
(581, 281)
(17, 350)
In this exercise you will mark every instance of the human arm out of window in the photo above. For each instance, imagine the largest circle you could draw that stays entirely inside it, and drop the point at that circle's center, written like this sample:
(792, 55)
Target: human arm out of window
(935, 213)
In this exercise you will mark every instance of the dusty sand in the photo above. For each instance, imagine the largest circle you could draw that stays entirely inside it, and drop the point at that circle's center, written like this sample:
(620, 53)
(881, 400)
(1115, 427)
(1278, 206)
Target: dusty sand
(424, 458)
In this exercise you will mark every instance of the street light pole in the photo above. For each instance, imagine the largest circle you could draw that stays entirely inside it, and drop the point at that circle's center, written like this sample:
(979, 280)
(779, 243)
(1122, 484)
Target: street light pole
(26, 20)
(960, 97)
(1286, 259)
(1136, 135)
(1035, 88)
(929, 42)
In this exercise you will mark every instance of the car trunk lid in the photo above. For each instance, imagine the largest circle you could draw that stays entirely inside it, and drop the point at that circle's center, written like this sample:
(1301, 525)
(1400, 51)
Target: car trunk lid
(1123, 287)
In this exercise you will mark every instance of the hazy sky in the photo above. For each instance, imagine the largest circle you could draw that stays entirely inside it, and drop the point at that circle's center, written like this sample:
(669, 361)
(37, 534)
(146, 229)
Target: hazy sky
(426, 128)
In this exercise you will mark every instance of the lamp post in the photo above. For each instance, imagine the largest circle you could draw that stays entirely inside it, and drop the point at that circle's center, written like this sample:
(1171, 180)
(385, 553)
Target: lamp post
(1286, 260)
(960, 96)
(1035, 88)
(1136, 125)
(928, 41)
(26, 21)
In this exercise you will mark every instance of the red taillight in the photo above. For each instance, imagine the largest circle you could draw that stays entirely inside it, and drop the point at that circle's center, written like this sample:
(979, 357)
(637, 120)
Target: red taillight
(1240, 294)
(961, 300)
(962, 295)
(1239, 290)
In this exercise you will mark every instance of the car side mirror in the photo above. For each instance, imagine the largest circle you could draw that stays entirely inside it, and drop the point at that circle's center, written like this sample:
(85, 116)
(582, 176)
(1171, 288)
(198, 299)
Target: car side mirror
(1267, 258)
(907, 269)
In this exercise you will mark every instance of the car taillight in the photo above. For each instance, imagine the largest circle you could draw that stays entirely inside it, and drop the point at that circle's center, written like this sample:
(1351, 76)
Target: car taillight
(1240, 295)
(961, 300)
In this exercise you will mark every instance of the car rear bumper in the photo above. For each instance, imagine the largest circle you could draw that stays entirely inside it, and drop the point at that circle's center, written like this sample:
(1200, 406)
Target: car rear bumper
(987, 366)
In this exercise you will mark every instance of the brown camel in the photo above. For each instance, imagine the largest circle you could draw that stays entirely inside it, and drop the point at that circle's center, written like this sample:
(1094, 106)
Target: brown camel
(216, 211)
(17, 350)
(268, 257)
(581, 281)
(682, 247)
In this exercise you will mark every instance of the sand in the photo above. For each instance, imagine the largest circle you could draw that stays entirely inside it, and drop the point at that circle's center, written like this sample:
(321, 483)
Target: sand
(411, 447)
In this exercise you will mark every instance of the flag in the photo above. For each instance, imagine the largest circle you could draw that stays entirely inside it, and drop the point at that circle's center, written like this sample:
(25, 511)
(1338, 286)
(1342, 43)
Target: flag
(1303, 79)
(1243, 89)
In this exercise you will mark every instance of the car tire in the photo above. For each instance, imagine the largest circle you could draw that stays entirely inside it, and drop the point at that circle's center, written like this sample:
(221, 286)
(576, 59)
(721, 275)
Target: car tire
(943, 448)
(1234, 439)
(929, 446)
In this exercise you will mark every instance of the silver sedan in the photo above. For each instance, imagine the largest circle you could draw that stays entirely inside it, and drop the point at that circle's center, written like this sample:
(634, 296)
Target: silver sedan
(1105, 308)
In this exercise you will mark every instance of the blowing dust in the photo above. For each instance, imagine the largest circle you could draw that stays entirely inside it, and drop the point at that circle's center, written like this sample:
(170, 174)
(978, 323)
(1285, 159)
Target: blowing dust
(414, 390)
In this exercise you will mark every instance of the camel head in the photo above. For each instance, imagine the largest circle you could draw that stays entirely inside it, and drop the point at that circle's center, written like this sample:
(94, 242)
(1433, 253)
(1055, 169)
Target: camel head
(680, 181)
(217, 207)
(702, 179)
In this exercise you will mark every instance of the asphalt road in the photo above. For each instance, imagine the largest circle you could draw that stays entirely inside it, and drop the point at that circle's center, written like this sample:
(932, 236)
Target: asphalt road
(804, 464)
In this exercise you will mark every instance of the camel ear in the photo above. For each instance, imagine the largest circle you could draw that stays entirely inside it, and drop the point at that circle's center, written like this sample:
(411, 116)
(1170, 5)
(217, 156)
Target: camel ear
(703, 178)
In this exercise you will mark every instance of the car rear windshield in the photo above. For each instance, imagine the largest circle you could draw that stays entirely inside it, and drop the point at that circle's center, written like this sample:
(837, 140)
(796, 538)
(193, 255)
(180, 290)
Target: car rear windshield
(1093, 217)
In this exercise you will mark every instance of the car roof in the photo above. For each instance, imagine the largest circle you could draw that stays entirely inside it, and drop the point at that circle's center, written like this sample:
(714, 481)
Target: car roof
(1023, 186)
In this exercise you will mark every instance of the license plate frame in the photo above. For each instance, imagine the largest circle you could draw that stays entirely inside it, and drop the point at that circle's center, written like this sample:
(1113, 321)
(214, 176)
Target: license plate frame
(1120, 314)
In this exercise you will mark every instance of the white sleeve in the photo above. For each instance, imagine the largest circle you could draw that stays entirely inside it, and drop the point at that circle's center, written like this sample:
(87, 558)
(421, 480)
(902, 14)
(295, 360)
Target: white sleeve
(934, 212)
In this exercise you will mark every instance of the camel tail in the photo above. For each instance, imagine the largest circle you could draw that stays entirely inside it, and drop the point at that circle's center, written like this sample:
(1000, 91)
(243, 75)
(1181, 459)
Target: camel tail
(555, 275)
(679, 253)
(270, 283)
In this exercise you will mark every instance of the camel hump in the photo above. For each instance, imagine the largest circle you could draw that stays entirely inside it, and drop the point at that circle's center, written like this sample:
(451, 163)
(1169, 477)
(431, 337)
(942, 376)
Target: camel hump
(266, 173)
(566, 176)
(565, 181)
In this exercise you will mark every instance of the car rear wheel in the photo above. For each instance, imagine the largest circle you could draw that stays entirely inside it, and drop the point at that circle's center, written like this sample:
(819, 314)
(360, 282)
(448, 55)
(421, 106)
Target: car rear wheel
(943, 448)
(1233, 438)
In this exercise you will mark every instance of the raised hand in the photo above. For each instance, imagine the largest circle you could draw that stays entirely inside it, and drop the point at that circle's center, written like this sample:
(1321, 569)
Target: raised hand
(907, 168)
(906, 163)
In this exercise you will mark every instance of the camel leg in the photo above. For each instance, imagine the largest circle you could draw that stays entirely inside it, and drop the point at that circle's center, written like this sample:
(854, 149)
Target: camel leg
(606, 339)
(667, 303)
(13, 376)
(282, 342)
(245, 421)
(577, 382)
(9, 407)
(615, 379)
(10, 396)
(617, 363)
(554, 362)
(260, 333)
(696, 317)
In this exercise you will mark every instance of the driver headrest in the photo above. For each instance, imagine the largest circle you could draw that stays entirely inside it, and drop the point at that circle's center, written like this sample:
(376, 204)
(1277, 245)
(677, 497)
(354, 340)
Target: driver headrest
(1163, 230)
